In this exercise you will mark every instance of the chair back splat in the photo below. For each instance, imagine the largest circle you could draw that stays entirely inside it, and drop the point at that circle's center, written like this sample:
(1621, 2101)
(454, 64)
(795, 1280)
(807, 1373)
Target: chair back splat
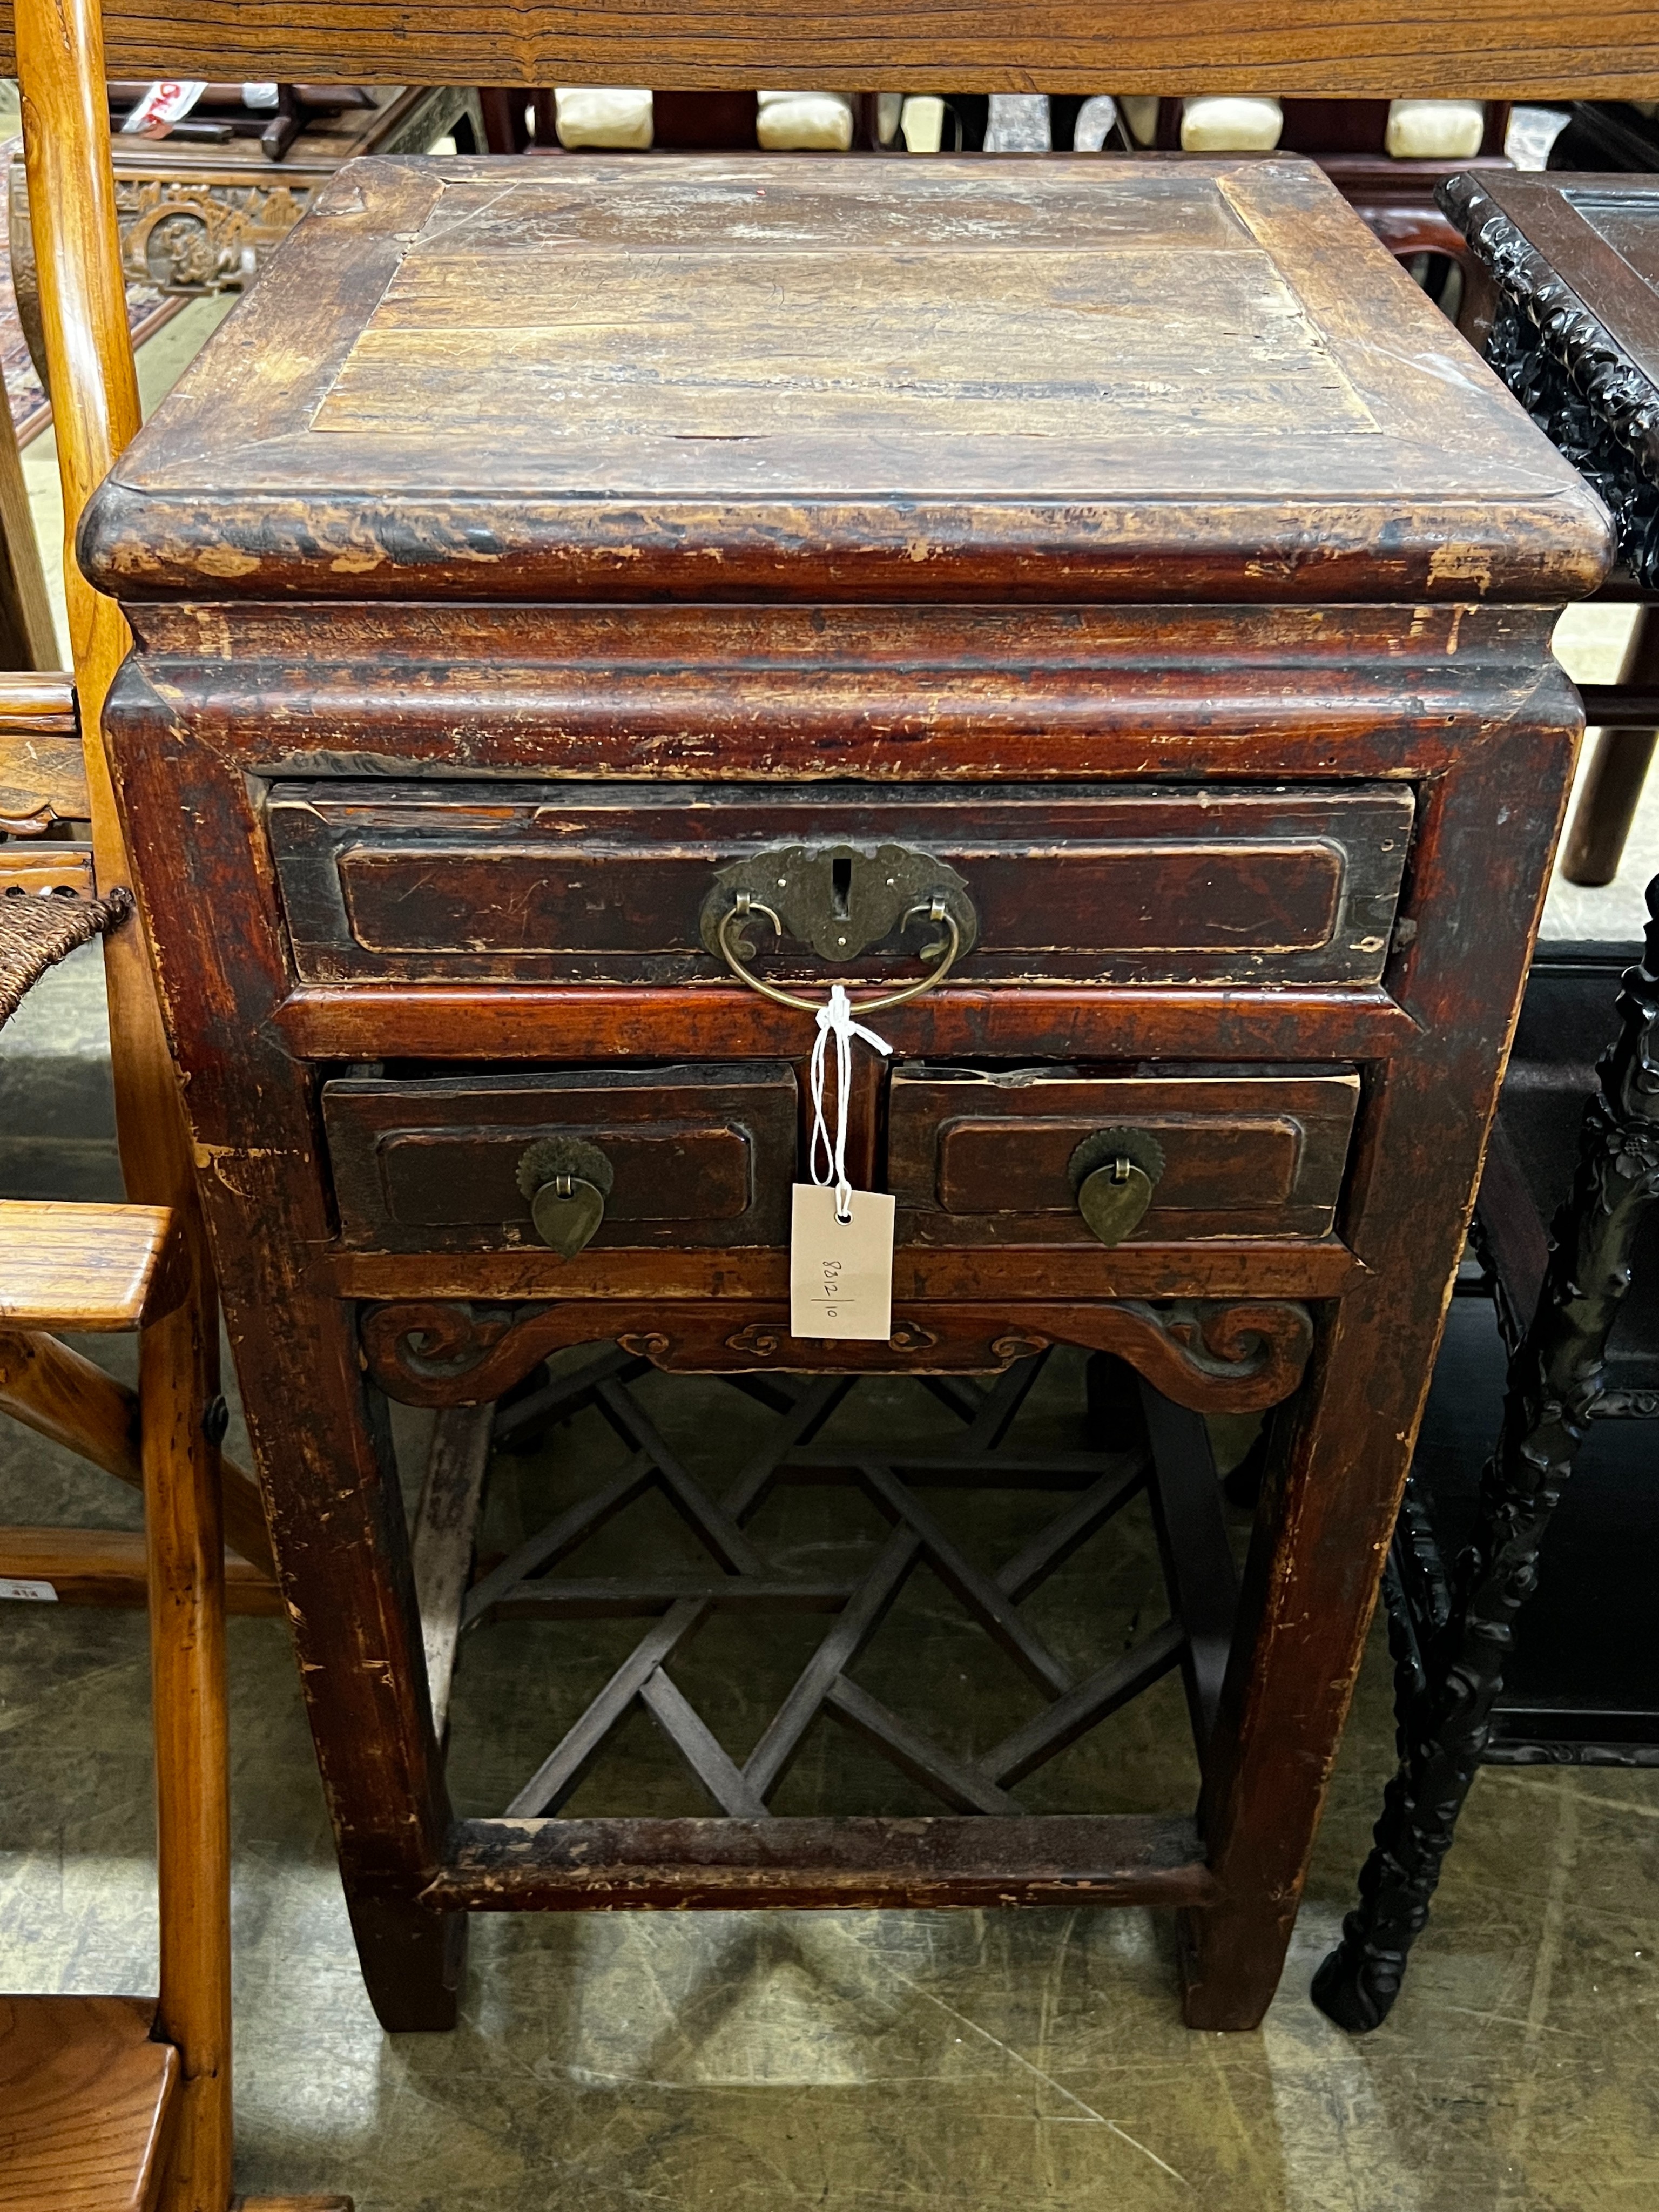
(1351, 49)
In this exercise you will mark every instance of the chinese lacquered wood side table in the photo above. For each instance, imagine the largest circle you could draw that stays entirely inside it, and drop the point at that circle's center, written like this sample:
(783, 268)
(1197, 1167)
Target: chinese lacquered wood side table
(1119, 567)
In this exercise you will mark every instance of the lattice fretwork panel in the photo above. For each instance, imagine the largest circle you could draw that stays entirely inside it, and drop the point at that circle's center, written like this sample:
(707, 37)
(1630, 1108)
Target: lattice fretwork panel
(977, 1506)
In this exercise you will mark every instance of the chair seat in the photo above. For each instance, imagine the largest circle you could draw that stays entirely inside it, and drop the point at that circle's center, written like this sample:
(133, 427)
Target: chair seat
(85, 2102)
(93, 1267)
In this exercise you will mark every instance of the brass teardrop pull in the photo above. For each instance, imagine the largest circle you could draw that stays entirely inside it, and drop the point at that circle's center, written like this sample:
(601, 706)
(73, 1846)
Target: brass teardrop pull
(1114, 1174)
(567, 1182)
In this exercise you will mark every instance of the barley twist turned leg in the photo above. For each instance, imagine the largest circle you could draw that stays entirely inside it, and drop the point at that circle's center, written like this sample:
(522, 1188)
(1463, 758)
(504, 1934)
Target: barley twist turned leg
(1554, 1390)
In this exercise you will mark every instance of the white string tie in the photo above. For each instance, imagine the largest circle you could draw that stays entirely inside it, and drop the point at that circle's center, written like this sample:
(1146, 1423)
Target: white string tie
(836, 1020)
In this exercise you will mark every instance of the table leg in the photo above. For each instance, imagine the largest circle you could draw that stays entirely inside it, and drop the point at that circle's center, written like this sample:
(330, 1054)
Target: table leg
(1612, 787)
(341, 1538)
(1329, 1504)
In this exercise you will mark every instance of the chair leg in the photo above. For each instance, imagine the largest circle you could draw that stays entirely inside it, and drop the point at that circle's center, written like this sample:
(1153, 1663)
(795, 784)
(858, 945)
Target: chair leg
(1612, 787)
(184, 1526)
(1554, 1390)
(29, 636)
(1198, 1561)
(1607, 805)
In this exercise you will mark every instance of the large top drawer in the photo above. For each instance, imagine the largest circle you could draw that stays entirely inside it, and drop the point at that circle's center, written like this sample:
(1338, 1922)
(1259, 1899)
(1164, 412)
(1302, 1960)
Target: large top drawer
(585, 882)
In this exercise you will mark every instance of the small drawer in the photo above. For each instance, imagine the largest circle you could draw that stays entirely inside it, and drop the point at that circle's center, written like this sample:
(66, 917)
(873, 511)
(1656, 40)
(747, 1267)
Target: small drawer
(979, 1158)
(695, 1156)
(606, 883)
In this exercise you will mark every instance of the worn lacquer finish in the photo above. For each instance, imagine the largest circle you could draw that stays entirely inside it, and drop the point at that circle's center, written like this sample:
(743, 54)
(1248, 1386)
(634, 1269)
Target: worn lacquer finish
(1209, 648)
(1049, 441)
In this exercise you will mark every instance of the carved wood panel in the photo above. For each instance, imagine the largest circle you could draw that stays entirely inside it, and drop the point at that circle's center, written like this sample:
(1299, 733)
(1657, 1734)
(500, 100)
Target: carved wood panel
(1213, 1356)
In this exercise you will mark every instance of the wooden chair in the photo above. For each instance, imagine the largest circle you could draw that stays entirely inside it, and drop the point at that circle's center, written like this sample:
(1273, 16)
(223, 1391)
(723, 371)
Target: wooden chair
(1346, 137)
(108, 2103)
(53, 774)
(198, 218)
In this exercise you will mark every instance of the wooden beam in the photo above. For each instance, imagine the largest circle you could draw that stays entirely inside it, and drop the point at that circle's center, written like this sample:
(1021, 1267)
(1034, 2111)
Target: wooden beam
(33, 699)
(105, 1567)
(89, 1267)
(61, 1394)
(445, 1522)
(1621, 705)
(1487, 49)
(28, 634)
(544, 1865)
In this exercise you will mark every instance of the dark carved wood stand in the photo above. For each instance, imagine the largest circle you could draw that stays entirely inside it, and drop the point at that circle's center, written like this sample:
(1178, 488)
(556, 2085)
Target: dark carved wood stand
(1566, 307)
(1558, 1384)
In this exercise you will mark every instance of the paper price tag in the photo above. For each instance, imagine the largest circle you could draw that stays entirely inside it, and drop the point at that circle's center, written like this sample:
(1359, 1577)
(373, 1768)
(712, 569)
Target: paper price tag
(841, 1272)
(31, 1593)
(164, 103)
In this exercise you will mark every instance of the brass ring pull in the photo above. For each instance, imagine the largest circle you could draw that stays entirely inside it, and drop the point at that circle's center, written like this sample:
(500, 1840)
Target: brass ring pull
(935, 910)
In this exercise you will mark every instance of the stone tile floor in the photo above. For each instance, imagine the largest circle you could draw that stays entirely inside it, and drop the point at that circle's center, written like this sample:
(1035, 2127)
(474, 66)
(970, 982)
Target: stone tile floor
(863, 2061)
(848, 2060)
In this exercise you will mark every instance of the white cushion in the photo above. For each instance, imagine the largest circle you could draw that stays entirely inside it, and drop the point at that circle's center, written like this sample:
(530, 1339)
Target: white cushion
(1435, 130)
(924, 122)
(805, 122)
(602, 115)
(1230, 124)
(1095, 119)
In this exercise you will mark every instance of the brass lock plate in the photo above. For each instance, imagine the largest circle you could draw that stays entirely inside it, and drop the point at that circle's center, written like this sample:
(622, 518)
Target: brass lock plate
(841, 899)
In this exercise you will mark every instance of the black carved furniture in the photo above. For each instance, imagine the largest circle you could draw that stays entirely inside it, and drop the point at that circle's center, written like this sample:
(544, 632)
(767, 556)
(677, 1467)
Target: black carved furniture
(565, 625)
(1565, 307)
(1607, 134)
(1583, 1348)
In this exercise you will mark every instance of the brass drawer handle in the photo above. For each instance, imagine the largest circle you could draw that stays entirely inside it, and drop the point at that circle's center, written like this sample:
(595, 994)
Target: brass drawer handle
(567, 1181)
(1114, 1174)
(935, 910)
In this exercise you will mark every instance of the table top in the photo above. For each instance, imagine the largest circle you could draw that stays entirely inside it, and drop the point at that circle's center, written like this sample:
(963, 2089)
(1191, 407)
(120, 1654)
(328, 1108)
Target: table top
(820, 377)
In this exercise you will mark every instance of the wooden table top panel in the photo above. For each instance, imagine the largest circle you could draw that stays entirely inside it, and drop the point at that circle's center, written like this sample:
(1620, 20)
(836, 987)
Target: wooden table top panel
(1483, 49)
(478, 380)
